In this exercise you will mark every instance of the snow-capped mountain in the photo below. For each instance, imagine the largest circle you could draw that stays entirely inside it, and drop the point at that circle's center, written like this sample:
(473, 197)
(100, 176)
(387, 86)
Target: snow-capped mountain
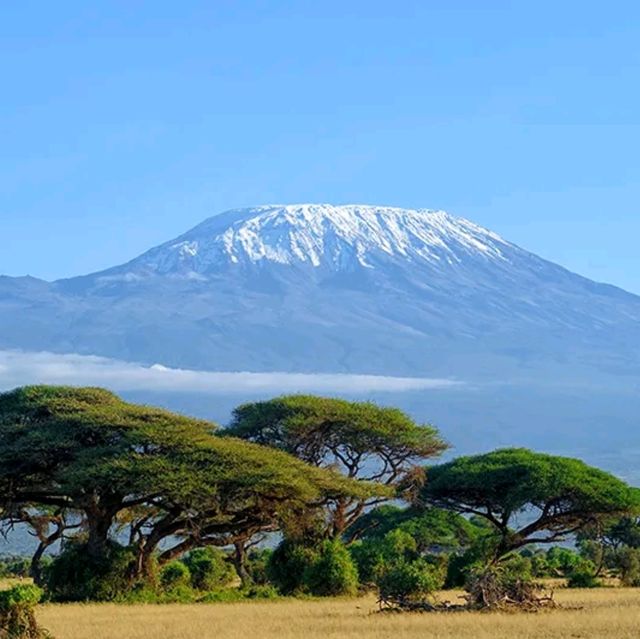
(544, 357)
(322, 236)
(337, 289)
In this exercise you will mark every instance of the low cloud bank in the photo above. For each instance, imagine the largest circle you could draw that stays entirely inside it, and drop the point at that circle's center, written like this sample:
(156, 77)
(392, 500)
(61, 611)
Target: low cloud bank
(19, 368)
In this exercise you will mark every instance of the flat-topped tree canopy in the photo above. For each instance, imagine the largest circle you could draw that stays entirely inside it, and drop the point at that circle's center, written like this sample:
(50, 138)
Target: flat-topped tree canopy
(86, 449)
(361, 439)
(330, 431)
(555, 496)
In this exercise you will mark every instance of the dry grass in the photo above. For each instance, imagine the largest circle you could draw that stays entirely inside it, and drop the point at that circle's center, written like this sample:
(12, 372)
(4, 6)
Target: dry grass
(609, 612)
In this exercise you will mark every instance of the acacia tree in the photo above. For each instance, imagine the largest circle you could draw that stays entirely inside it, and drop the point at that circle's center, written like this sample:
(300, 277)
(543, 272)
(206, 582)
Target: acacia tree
(615, 533)
(89, 452)
(224, 492)
(363, 441)
(527, 497)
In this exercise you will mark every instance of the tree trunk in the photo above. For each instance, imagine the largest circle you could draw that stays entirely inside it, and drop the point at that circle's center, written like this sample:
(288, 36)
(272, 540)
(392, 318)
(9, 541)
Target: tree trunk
(35, 570)
(339, 523)
(98, 525)
(145, 565)
(240, 563)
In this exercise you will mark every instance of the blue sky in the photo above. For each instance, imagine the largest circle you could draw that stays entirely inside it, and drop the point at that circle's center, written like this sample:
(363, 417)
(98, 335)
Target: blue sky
(125, 123)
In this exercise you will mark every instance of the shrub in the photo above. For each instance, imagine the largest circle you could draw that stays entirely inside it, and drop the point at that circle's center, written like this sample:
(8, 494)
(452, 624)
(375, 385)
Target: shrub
(369, 558)
(261, 592)
(209, 568)
(333, 573)
(17, 617)
(257, 566)
(563, 561)
(288, 565)
(175, 574)
(75, 576)
(373, 556)
(583, 576)
(628, 560)
(409, 582)
(540, 565)
(462, 565)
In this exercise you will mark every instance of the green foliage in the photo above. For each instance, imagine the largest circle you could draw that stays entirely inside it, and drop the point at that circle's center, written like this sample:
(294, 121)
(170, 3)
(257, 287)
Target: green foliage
(288, 565)
(625, 531)
(323, 570)
(257, 566)
(433, 528)
(109, 461)
(563, 561)
(628, 563)
(567, 494)
(75, 575)
(175, 574)
(583, 575)
(363, 440)
(395, 565)
(409, 581)
(333, 573)
(15, 566)
(369, 559)
(224, 595)
(17, 618)
(261, 591)
(21, 594)
(479, 553)
(209, 568)
(373, 556)
(314, 428)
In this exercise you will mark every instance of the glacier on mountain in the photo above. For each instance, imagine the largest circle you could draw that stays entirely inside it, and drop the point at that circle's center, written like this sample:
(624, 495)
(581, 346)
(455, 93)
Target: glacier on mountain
(322, 235)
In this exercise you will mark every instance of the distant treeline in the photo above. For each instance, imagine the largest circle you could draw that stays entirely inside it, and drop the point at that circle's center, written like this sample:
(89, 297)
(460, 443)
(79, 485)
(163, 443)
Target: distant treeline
(149, 505)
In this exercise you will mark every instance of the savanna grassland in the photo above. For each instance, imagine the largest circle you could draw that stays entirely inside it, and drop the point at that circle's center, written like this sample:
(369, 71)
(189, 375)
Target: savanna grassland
(586, 614)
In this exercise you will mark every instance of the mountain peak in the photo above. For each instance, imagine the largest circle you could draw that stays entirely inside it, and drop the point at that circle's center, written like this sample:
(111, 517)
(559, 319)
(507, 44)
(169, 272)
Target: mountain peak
(321, 236)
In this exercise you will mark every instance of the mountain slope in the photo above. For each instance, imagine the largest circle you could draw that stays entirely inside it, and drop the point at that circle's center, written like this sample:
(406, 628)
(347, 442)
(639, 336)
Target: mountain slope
(337, 288)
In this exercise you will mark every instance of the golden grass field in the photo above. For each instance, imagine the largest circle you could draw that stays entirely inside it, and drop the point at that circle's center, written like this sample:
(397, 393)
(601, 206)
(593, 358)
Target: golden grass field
(587, 614)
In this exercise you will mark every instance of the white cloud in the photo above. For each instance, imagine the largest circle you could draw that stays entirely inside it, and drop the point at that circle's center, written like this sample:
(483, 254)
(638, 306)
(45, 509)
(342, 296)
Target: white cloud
(19, 368)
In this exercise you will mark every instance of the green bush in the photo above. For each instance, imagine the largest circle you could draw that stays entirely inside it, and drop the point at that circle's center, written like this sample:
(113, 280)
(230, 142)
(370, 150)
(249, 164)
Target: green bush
(223, 595)
(257, 566)
(517, 567)
(288, 565)
(540, 565)
(175, 574)
(628, 561)
(17, 617)
(563, 561)
(261, 592)
(461, 565)
(333, 573)
(409, 581)
(369, 557)
(75, 576)
(209, 568)
(583, 576)
(374, 555)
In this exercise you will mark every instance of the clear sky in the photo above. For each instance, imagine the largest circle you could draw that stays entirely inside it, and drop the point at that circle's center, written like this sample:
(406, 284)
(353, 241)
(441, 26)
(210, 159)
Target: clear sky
(124, 123)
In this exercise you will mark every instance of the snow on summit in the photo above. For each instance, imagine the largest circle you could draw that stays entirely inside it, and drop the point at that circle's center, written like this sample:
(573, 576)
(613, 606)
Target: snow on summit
(322, 235)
